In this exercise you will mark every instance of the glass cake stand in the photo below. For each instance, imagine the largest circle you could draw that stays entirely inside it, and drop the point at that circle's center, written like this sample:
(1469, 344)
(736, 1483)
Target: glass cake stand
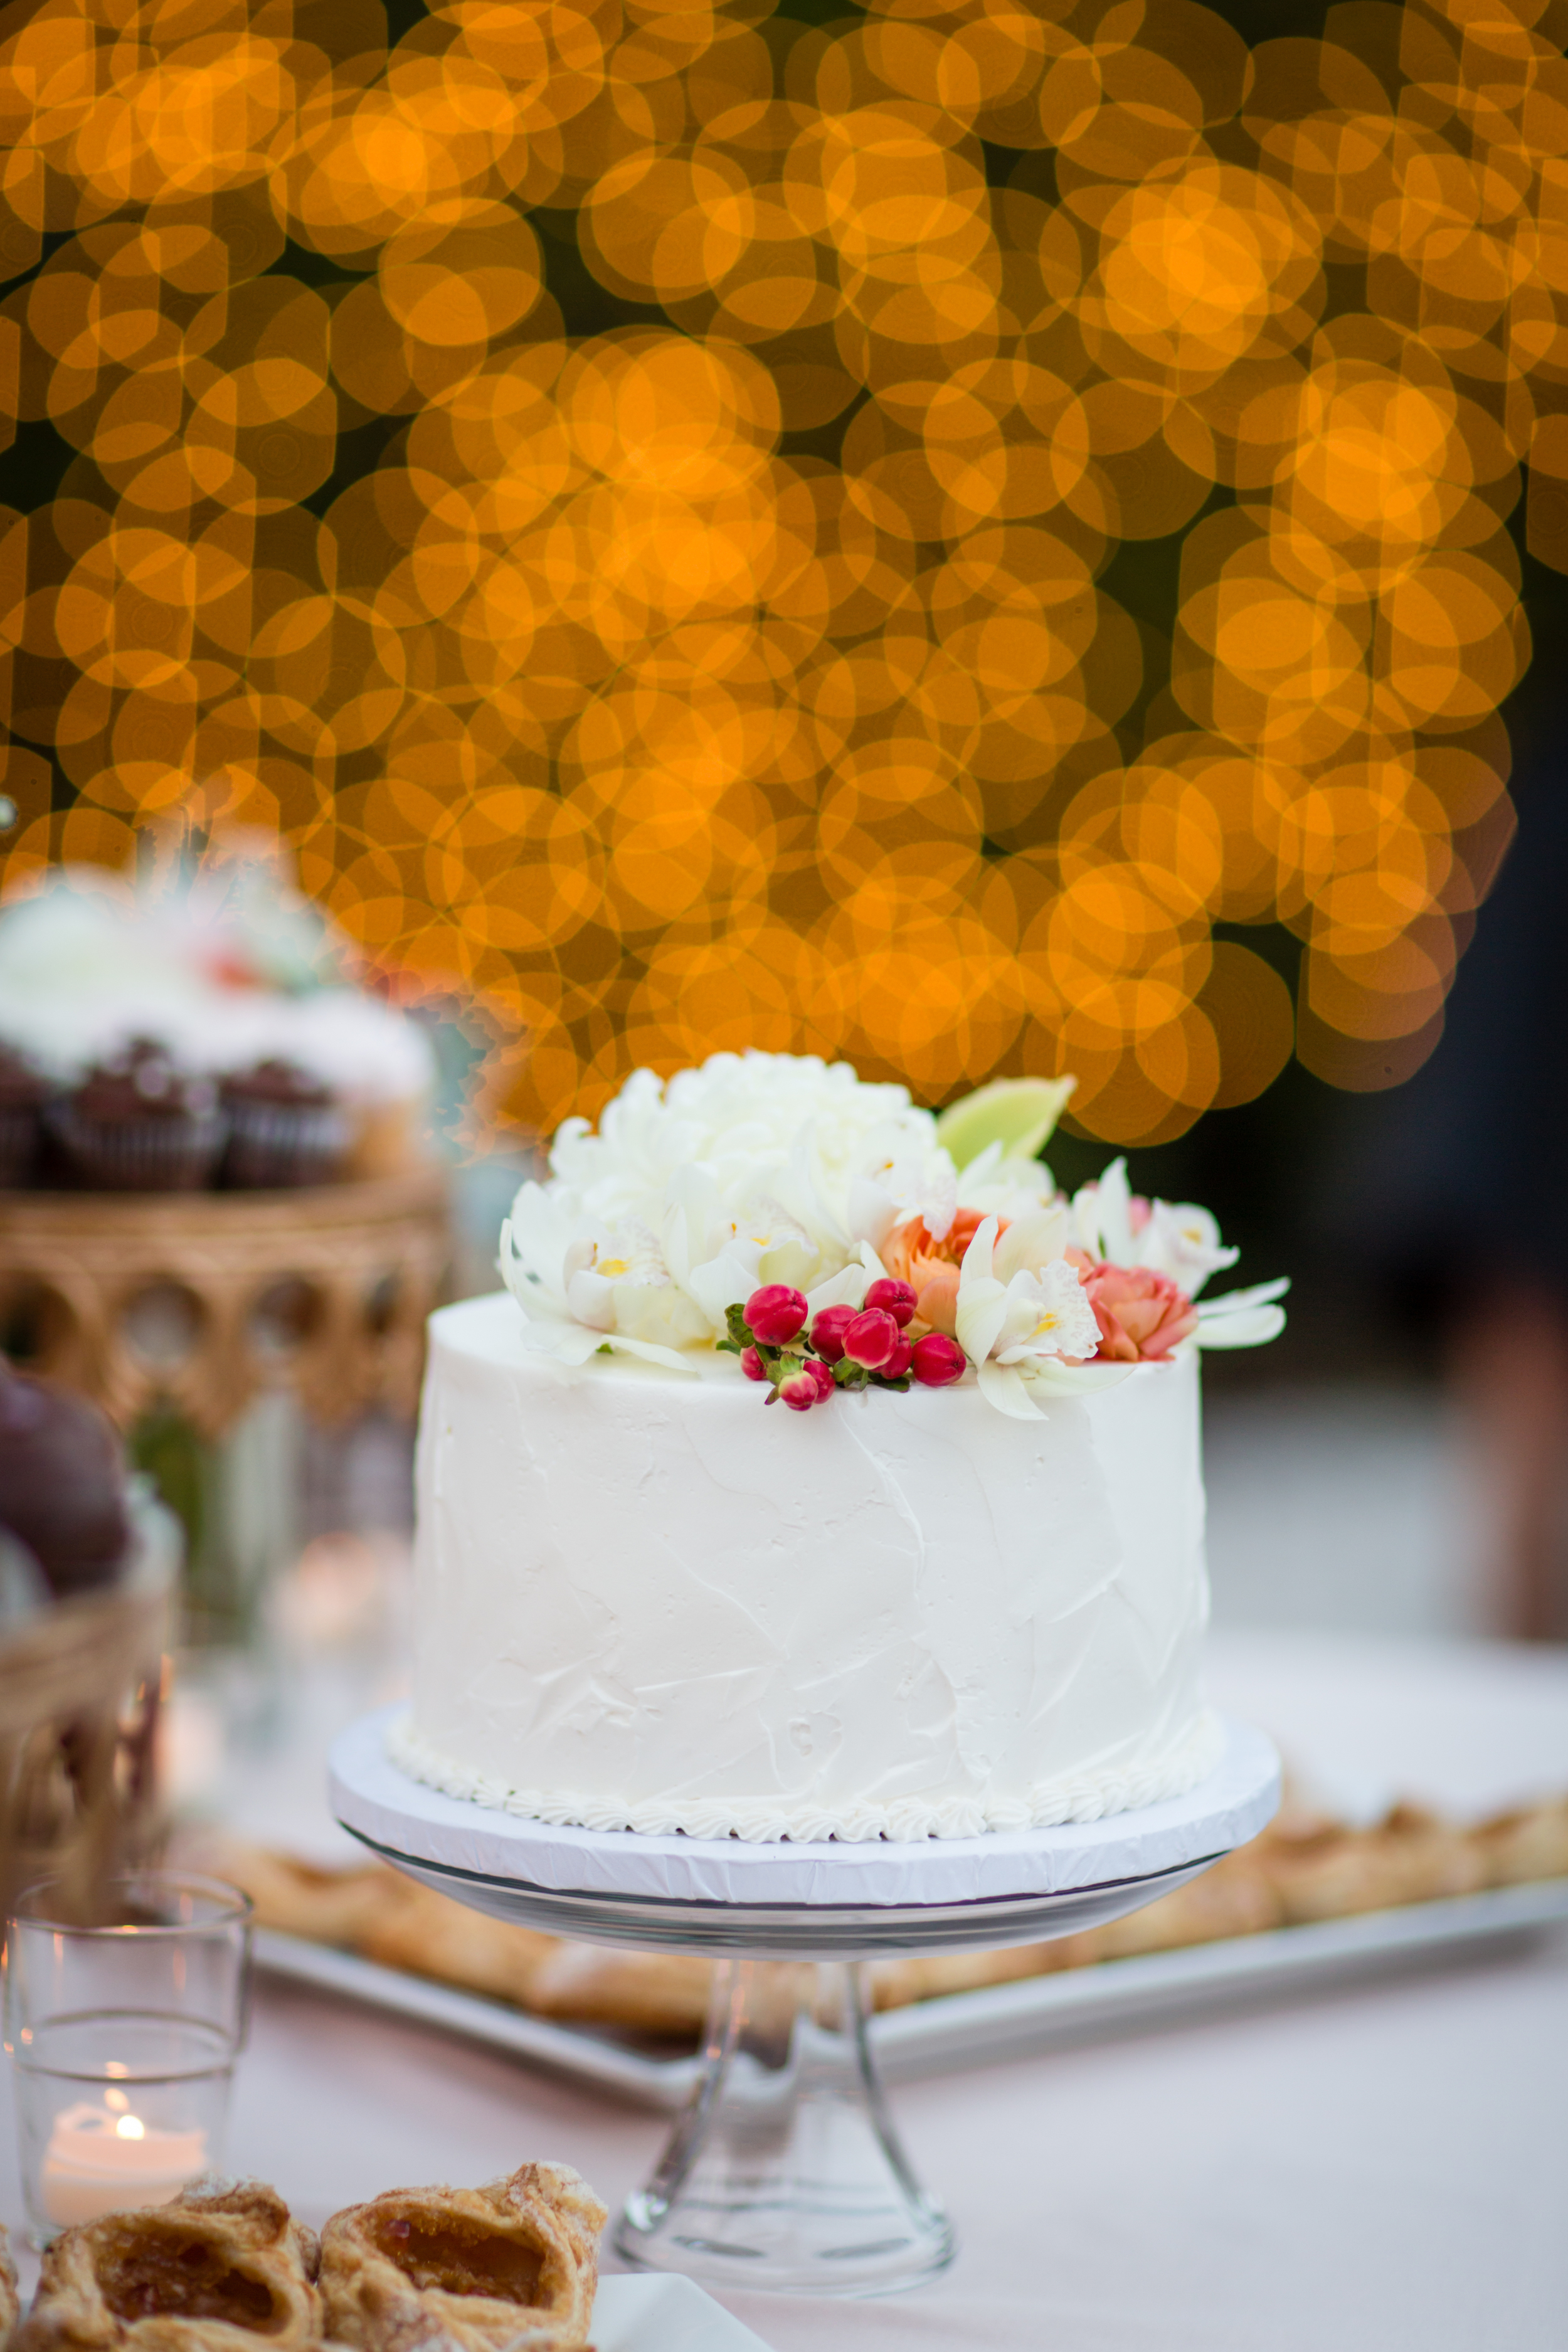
(785, 2171)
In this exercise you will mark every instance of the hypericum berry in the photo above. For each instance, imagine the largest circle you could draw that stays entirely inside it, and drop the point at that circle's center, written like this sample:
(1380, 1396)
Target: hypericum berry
(870, 1339)
(899, 1362)
(822, 1374)
(894, 1299)
(800, 1391)
(775, 1314)
(752, 1365)
(937, 1361)
(828, 1326)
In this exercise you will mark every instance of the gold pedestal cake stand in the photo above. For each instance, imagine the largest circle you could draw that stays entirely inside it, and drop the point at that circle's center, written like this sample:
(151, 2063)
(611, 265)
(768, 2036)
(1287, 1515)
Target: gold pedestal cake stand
(200, 1301)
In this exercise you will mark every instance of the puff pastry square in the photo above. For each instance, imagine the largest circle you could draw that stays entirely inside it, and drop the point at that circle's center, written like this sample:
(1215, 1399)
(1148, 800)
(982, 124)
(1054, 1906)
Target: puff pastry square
(514, 2264)
(221, 2270)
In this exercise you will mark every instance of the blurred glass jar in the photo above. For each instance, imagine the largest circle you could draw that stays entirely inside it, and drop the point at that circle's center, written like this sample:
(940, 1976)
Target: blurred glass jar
(124, 2028)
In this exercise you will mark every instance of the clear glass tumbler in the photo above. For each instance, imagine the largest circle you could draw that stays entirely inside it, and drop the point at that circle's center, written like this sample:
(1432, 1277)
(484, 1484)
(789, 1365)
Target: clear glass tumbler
(124, 2035)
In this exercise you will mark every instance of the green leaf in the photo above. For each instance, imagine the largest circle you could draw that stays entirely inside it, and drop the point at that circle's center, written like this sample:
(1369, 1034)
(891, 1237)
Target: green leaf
(1017, 1113)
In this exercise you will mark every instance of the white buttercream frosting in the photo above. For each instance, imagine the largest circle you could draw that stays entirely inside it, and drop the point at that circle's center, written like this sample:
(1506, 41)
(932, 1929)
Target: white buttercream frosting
(648, 1601)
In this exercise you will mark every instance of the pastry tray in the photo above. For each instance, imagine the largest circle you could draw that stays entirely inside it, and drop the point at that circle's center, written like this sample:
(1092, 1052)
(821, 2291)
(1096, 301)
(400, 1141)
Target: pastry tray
(965, 2028)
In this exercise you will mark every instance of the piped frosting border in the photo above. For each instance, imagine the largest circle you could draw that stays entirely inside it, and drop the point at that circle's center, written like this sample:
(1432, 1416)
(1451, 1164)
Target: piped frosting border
(1078, 1797)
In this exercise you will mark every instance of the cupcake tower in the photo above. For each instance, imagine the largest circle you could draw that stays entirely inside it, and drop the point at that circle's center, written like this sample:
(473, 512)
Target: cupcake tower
(190, 1044)
(194, 1036)
(138, 1122)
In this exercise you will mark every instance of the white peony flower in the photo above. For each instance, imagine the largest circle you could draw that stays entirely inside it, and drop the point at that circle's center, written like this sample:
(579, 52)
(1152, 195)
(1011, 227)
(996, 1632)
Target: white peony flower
(754, 1168)
(1006, 1185)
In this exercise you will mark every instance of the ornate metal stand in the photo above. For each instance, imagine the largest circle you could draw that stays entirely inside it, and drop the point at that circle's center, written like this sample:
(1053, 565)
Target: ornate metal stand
(201, 1300)
(205, 1323)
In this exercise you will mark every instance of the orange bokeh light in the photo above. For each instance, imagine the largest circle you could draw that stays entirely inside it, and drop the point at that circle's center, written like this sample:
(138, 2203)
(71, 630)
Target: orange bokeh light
(751, 673)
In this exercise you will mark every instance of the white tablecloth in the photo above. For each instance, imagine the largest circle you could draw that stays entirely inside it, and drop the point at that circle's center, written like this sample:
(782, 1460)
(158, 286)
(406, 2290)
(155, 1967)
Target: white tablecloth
(1368, 2171)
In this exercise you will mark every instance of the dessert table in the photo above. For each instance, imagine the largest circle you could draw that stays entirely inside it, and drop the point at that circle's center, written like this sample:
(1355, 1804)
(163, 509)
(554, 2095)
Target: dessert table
(1380, 2166)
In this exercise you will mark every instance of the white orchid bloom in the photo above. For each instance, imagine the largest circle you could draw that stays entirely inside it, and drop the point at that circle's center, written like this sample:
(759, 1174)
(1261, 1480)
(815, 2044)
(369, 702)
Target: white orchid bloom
(1175, 1238)
(720, 1252)
(1023, 1313)
(582, 1290)
(1102, 1217)
(1180, 1240)
(1242, 1318)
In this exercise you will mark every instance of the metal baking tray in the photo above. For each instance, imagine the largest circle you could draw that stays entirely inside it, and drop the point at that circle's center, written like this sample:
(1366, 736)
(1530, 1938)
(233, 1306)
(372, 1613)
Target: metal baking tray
(967, 2029)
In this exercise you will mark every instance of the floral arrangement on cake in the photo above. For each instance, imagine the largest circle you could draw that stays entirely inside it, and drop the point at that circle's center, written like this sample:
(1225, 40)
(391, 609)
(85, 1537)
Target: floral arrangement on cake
(830, 1234)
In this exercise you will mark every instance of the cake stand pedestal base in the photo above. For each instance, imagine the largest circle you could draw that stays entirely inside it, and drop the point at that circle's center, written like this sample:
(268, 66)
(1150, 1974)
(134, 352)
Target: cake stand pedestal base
(785, 2170)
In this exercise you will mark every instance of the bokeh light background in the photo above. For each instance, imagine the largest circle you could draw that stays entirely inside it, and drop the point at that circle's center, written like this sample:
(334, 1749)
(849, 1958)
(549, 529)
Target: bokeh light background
(750, 671)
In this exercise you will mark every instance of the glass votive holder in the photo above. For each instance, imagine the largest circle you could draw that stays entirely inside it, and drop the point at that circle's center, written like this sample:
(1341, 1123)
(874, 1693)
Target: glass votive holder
(124, 2035)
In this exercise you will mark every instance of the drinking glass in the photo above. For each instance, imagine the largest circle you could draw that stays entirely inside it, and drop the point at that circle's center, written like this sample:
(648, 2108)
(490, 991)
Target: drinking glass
(124, 2034)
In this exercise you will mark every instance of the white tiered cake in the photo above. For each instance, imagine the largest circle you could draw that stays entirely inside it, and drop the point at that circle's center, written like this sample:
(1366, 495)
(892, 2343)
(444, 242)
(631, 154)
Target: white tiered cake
(939, 1597)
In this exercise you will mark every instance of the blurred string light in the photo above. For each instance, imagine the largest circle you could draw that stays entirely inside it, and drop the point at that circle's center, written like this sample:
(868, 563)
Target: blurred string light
(656, 735)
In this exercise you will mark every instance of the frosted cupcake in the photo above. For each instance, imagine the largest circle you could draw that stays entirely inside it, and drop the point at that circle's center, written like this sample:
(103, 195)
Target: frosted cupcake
(138, 1123)
(22, 1094)
(287, 1126)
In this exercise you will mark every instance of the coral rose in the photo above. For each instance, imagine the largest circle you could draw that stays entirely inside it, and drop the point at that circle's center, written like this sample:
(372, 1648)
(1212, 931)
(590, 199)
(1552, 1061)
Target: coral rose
(930, 1267)
(1142, 1315)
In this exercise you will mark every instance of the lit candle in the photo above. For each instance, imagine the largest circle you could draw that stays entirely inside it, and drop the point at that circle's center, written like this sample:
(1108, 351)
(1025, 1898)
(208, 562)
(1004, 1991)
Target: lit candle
(99, 2161)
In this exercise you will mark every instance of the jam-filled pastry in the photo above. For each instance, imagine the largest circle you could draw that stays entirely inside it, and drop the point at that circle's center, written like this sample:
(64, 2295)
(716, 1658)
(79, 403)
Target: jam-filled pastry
(465, 2270)
(221, 2270)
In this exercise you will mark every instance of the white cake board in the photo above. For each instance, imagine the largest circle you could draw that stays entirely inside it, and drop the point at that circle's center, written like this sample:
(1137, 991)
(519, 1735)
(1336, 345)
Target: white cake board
(826, 1901)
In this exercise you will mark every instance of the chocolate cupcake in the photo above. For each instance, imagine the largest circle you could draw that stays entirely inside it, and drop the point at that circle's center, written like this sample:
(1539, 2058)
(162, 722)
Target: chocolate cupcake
(286, 1127)
(136, 1123)
(22, 1094)
(62, 1484)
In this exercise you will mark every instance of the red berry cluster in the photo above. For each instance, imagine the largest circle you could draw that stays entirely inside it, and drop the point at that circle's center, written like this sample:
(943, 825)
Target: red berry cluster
(846, 1346)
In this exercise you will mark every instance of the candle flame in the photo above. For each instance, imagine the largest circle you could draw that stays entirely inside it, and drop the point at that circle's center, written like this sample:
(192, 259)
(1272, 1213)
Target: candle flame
(130, 2128)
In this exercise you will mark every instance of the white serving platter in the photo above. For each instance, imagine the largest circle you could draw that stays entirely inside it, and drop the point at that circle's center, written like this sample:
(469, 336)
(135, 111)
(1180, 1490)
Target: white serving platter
(967, 2029)
(662, 2312)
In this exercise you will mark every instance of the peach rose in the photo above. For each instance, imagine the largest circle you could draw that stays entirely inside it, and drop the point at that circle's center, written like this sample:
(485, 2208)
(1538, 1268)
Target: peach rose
(1142, 1315)
(930, 1267)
